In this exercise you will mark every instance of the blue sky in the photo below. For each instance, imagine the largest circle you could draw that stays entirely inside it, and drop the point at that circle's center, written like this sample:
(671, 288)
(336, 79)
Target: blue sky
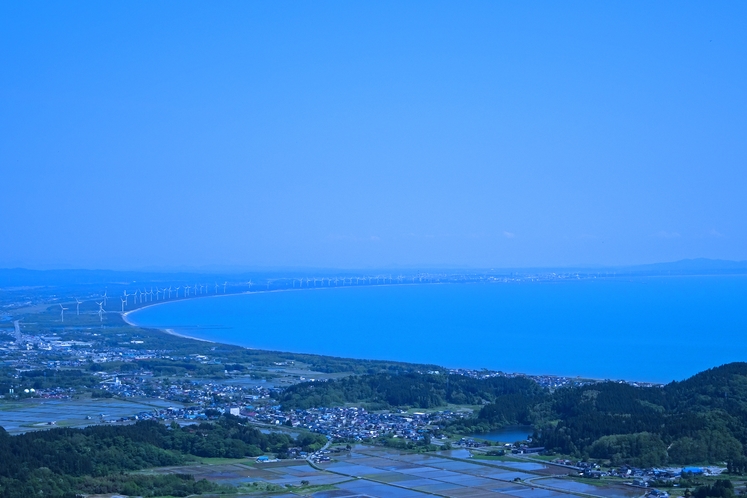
(352, 134)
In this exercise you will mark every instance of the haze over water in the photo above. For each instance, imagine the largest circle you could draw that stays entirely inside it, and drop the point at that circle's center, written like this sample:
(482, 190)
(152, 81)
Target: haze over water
(654, 329)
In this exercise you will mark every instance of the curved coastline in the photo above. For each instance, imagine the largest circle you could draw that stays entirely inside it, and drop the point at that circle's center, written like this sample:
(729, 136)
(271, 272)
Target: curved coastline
(360, 325)
(126, 319)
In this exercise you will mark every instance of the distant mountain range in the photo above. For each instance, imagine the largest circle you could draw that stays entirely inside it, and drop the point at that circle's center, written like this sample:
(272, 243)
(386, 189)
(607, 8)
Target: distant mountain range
(691, 266)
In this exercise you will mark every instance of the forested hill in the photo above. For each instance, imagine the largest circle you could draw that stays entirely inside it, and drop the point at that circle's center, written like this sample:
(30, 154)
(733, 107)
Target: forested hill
(702, 419)
(699, 420)
(62, 463)
(411, 390)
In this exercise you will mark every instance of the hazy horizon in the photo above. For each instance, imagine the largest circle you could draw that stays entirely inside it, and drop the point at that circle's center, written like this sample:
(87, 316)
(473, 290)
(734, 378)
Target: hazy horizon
(688, 264)
(380, 135)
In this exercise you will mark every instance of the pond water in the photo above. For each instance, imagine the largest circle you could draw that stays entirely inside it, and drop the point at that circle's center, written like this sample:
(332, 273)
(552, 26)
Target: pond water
(509, 434)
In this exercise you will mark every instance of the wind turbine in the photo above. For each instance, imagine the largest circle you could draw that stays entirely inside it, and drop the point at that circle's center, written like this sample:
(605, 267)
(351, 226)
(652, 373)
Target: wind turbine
(124, 301)
(104, 298)
(78, 302)
(101, 311)
(224, 287)
(177, 292)
(169, 289)
(186, 290)
(62, 313)
(216, 287)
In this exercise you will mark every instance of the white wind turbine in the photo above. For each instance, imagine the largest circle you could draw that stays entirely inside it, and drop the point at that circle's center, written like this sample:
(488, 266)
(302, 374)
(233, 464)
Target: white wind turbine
(250, 283)
(216, 287)
(186, 290)
(104, 298)
(124, 301)
(62, 313)
(177, 292)
(224, 287)
(78, 302)
(101, 311)
(169, 289)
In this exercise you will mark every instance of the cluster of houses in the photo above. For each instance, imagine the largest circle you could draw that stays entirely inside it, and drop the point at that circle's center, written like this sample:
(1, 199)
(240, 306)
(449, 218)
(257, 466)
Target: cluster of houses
(636, 476)
(353, 423)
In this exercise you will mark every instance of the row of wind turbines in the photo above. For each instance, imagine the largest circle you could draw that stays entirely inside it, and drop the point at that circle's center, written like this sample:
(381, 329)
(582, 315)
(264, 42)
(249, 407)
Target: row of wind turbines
(151, 294)
(147, 295)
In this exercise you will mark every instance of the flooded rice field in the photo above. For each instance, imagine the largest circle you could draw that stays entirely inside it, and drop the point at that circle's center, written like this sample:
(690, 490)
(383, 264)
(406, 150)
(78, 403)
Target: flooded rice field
(34, 414)
(379, 472)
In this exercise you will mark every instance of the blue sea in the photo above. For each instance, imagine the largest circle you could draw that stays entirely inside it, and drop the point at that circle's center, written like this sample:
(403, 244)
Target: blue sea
(654, 329)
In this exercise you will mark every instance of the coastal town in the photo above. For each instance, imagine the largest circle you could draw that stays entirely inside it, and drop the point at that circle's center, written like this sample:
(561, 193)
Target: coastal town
(93, 371)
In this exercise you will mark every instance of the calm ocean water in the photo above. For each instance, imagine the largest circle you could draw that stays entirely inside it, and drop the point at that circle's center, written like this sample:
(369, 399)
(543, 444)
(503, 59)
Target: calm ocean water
(649, 329)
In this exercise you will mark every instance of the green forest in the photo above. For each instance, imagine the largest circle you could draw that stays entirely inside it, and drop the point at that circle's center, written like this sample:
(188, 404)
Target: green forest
(700, 420)
(60, 462)
(415, 390)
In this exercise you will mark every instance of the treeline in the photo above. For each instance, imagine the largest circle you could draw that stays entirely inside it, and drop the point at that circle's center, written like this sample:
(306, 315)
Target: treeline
(45, 379)
(61, 461)
(161, 367)
(414, 390)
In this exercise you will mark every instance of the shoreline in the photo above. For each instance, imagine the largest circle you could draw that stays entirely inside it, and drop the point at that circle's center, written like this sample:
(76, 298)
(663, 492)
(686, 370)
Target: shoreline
(243, 293)
(172, 332)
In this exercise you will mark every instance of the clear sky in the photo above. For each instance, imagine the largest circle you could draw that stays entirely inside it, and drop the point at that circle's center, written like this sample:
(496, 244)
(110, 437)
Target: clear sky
(371, 134)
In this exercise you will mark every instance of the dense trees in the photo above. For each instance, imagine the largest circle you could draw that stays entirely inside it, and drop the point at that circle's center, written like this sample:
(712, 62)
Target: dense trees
(407, 390)
(60, 461)
(702, 419)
